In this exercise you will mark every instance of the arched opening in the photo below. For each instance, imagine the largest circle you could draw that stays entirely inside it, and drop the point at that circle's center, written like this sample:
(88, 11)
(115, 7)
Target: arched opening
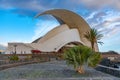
(67, 46)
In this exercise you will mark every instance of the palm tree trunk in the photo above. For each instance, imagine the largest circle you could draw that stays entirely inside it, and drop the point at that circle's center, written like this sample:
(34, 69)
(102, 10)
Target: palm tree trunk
(92, 45)
(80, 70)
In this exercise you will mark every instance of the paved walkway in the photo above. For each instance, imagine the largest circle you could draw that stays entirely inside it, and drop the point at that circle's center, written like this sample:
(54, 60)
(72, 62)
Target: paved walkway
(55, 70)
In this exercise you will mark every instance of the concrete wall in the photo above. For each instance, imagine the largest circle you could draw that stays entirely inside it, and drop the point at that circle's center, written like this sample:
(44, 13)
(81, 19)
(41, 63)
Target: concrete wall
(20, 48)
(58, 41)
(54, 32)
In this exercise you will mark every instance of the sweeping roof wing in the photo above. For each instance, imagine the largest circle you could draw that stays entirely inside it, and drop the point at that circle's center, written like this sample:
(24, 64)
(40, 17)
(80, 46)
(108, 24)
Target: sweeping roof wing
(70, 18)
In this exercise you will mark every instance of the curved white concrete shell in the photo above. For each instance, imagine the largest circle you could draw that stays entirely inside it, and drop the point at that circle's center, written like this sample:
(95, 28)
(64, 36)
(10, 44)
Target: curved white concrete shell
(57, 40)
(73, 20)
(72, 29)
(53, 32)
(53, 41)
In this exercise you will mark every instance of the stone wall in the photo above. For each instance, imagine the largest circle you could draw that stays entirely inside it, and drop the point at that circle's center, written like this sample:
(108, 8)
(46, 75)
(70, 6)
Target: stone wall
(109, 70)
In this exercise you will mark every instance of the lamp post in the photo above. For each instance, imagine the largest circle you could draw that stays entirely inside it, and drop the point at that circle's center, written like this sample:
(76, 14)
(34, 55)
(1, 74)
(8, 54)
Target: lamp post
(15, 48)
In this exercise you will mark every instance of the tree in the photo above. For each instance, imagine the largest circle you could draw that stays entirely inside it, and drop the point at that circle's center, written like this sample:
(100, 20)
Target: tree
(80, 55)
(93, 36)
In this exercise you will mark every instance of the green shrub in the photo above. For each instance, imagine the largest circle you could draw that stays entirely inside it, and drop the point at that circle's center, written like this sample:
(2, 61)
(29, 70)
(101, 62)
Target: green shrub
(14, 58)
(81, 55)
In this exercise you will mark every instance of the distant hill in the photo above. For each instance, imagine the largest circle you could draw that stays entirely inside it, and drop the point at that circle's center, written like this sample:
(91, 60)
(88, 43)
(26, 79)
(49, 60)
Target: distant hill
(110, 52)
(2, 47)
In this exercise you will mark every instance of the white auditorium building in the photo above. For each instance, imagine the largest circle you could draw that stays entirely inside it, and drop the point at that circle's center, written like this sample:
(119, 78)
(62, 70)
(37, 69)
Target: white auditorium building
(70, 32)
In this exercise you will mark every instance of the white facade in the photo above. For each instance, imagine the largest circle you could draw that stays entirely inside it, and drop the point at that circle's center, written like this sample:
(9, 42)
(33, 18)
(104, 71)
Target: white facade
(51, 42)
(21, 48)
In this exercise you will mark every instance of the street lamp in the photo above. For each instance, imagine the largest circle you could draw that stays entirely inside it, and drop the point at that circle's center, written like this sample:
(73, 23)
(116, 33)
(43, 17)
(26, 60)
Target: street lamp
(15, 48)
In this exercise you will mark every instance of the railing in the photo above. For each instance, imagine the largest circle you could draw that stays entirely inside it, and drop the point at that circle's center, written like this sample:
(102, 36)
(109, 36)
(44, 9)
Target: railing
(109, 70)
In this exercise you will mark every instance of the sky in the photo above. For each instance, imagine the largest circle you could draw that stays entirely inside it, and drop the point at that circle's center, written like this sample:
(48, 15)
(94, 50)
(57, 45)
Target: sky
(17, 22)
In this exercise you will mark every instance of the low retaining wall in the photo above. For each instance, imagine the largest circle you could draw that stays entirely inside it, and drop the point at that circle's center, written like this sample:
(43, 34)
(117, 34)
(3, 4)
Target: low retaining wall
(2, 67)
(109, 70)
(6, 63)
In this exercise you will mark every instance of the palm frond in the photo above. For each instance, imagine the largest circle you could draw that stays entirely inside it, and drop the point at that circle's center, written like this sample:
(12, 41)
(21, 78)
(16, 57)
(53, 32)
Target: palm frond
(80, 55)
(93, 36)
(101, 43)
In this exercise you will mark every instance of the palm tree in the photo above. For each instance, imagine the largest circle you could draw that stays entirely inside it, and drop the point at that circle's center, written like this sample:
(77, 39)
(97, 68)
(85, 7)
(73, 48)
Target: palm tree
(80, 55)
(93, 36)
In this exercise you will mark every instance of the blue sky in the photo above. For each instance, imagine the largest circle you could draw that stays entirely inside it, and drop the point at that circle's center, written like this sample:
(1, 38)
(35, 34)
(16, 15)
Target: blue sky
(17, 22)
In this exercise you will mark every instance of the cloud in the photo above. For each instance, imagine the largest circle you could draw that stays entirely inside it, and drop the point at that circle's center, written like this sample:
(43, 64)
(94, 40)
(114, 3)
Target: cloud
(4, 44)
(107, 21)
(24, 7)
(112, 42)
(91, 16)
(33, 7)
(95, 4)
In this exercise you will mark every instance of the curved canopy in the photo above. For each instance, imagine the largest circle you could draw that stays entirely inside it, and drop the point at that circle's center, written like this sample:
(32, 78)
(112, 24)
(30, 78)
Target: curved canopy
(72, 19)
